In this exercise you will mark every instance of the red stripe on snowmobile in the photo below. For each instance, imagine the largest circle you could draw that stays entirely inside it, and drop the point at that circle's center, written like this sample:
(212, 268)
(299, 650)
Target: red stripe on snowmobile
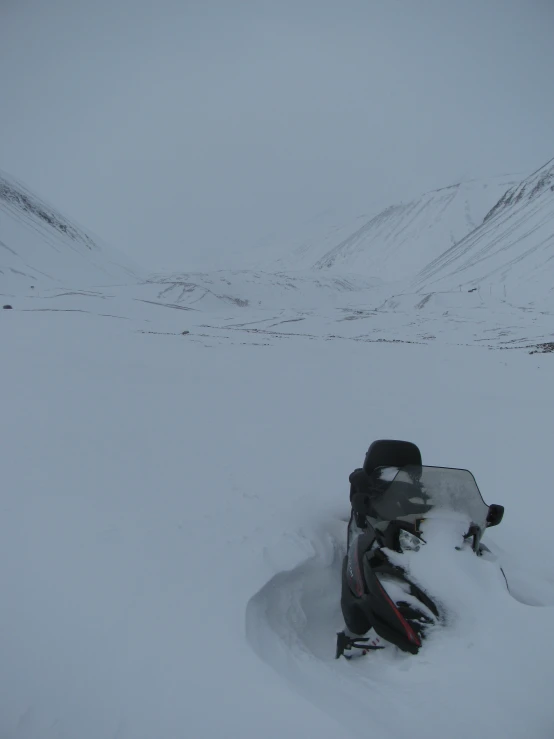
(358, 584)
(412, 636)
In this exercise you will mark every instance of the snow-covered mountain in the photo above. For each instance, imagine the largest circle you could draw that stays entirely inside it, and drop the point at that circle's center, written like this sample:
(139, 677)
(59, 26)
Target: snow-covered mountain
(397, 242)
(40, 245)
(511, 252)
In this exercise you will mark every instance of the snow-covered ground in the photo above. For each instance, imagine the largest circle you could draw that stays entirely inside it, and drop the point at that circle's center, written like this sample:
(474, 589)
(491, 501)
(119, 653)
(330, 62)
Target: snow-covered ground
(172, 531)
(175, 460)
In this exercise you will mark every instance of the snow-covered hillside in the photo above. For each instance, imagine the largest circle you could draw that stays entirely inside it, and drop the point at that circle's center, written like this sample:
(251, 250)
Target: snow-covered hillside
(399, 241)
(39, 245)
(511, 253)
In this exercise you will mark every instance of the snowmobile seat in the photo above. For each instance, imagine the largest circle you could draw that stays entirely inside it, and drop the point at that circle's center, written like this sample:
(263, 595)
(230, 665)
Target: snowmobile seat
(391, 453)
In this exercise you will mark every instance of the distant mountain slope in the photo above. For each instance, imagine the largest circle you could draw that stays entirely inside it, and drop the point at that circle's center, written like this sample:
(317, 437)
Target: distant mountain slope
(399, 241)
(513, 248)
(38, 244)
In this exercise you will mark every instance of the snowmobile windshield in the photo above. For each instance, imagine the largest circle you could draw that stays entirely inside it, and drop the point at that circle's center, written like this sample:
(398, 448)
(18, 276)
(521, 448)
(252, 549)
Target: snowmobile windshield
(414, 492)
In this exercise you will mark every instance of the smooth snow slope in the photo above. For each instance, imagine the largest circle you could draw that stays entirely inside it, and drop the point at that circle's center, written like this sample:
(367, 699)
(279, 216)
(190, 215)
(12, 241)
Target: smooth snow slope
(511, 252)
(399, 241)
(38, 245)
(172, 527)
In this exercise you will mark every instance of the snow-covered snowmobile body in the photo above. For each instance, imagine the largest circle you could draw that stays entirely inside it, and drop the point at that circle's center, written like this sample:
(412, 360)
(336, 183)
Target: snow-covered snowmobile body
(389, 504)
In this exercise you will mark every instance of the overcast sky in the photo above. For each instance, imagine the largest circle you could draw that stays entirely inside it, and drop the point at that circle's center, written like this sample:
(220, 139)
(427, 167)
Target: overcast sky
(185, 131)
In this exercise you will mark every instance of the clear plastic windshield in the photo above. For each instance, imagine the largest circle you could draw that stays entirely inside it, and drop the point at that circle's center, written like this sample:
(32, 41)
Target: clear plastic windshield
(420, 492)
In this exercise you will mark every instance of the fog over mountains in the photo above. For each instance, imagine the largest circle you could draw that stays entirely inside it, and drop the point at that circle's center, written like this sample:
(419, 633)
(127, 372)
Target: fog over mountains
(495, 235)
(239, 242)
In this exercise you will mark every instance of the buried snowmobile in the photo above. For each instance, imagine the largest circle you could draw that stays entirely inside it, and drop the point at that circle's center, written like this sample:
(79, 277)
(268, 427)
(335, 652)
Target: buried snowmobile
(391, 496)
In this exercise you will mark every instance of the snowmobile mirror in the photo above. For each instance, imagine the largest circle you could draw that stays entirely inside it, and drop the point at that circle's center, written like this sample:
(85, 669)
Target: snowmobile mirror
(495, 515)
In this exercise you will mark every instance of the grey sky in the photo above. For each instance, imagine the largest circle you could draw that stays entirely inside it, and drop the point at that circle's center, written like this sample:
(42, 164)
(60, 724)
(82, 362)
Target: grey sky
(186, 131)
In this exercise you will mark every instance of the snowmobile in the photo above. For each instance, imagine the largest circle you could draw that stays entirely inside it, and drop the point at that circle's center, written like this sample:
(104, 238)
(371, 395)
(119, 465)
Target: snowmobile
(391, 496)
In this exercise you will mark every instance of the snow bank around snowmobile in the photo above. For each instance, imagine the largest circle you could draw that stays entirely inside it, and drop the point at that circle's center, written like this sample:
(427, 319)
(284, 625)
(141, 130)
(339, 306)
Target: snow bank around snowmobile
(466, 670)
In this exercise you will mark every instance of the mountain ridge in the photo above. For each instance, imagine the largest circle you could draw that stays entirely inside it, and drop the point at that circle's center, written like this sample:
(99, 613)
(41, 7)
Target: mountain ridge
(512, 248)
(399, 240)
(39, 244)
